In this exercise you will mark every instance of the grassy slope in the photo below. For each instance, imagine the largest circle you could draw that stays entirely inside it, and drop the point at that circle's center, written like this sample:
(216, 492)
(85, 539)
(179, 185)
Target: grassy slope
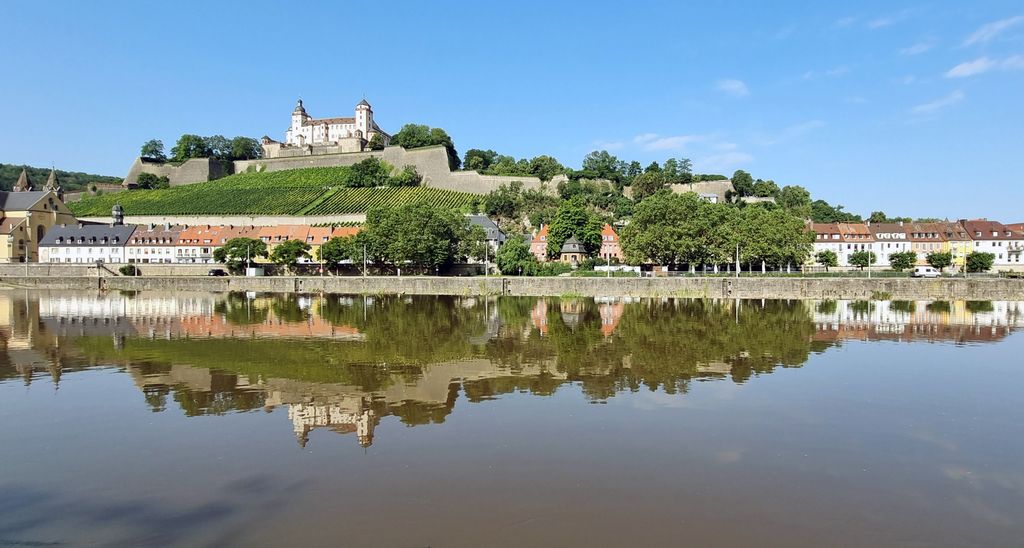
(313, 191)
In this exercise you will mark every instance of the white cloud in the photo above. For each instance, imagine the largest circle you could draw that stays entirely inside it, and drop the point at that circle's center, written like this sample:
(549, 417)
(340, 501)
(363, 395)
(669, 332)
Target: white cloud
(991, 30)
(938, 104)
(725, 161)
(888, 20)
(844, 22)
(982, 65)
(834, 72)
(733, 87)
(970, 68)
(653, 141)
(789, 133)
(918, 48)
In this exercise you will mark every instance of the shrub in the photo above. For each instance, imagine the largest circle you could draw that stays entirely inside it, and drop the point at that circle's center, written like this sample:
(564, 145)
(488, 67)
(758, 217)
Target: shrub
(129, 270)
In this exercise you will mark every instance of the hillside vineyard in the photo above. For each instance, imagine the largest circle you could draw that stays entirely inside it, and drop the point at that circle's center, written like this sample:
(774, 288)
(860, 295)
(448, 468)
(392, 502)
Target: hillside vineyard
(314, 191)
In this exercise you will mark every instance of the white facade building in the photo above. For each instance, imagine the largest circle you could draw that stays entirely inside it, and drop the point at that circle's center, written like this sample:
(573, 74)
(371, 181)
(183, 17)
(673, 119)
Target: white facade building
(889, 238)
(1004, 243)
(306, 130)
(153, 244)
(85, 244)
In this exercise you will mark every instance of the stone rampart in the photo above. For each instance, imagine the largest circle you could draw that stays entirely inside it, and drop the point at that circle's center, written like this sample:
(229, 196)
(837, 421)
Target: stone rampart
(195, 170)
(729, 288)
(430, 162)
(236, 220)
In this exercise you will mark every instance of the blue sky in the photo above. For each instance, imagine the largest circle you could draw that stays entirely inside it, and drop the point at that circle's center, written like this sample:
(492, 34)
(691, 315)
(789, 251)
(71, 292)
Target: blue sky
(912, 108)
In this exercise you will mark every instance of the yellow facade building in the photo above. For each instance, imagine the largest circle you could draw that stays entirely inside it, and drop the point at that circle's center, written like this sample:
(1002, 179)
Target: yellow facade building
(25, 217)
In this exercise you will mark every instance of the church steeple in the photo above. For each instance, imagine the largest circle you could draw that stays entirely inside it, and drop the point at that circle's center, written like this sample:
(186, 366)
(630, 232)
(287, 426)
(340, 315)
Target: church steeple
(51, 182)
(23, 184)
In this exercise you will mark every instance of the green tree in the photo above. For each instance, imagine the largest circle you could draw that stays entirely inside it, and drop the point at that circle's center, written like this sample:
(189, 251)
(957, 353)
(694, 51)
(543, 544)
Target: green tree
(772, 236)
(903, 260)
(823, 212)
(154, 150)
(408, 176)
(479, 160)
(288, 254)
(545, 167)
(371, 172)
(647, 184)
(574, 219)
(245, 148)
(505, 201)
(190, 146)
(980, 262)
(419, 235)
(743, 183)
(659, 231)
(336, 250)
(863, 259)
(765, 189)
(514, 257)
(418, 135)
(377, 142)
(219, 147)
(239, 252)
(878, 217)
(939, 260)
(796, 199)
(150, 181)
(827, 258)
(602, 165)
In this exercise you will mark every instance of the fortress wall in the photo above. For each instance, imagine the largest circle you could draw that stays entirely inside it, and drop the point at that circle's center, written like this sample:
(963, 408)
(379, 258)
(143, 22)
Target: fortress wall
(236, 220)
(430, 162)
(195, 170)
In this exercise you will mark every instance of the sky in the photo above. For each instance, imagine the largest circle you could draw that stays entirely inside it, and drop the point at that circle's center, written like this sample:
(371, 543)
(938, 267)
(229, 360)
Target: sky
(915, 109)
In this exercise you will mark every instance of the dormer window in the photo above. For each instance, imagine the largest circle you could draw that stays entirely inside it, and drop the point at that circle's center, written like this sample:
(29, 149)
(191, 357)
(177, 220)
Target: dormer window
(116, 239)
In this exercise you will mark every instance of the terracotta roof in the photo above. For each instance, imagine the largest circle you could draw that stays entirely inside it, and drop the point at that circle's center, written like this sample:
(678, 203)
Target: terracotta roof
(983, 229)
(607, 230)
(926, 232)
(542, 235)
(216, 234)
(282, 233)
(345, 231)
(159, 234)
(855, 232)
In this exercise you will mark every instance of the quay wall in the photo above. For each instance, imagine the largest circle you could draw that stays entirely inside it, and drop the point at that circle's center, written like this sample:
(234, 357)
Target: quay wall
(729, 288)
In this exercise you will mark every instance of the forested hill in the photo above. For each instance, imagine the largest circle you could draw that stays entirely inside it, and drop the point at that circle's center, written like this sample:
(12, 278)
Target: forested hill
(70, 180)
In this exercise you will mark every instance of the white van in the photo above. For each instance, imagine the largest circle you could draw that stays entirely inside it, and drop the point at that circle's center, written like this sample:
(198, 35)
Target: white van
(925, 272)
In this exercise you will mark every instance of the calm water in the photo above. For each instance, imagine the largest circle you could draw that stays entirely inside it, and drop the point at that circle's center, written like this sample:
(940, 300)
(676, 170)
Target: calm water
(219, 420)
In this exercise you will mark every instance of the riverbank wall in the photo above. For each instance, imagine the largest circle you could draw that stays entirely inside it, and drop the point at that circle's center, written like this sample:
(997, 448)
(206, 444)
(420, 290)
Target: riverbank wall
(728, 288)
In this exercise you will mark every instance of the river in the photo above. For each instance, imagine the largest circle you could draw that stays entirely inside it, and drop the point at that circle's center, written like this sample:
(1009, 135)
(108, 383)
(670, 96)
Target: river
(252, 419)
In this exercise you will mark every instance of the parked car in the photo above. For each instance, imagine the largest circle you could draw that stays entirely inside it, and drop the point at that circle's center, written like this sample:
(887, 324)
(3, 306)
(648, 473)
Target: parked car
(216, 272)
(925, 272)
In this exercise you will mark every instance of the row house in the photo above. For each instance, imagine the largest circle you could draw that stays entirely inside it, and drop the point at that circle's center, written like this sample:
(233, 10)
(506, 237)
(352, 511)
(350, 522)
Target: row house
(154, 244)
(996, 238)
(890, 238)
(197, 243)
(844, 239)
(315, 236)
(85, 244)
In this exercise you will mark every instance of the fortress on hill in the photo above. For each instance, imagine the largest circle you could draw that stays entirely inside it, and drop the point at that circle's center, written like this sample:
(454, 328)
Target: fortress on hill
(330, 142)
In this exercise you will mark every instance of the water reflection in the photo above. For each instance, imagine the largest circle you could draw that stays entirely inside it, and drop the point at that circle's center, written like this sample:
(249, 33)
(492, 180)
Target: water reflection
(342, 363)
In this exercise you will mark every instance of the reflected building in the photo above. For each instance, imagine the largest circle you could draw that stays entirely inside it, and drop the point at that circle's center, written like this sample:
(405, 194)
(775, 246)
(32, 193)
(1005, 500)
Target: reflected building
(343, 364)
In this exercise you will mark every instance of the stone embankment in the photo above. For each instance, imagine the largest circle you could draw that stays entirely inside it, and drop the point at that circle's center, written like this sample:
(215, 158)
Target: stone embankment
(729, 288)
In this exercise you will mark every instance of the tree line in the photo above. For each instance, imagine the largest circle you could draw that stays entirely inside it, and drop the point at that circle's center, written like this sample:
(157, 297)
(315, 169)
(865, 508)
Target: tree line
(195, 146)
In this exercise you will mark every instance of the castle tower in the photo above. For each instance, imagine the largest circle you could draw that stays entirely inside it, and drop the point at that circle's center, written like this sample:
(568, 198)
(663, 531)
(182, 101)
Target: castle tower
(23, 184)
(364, 118)
(299, 116)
